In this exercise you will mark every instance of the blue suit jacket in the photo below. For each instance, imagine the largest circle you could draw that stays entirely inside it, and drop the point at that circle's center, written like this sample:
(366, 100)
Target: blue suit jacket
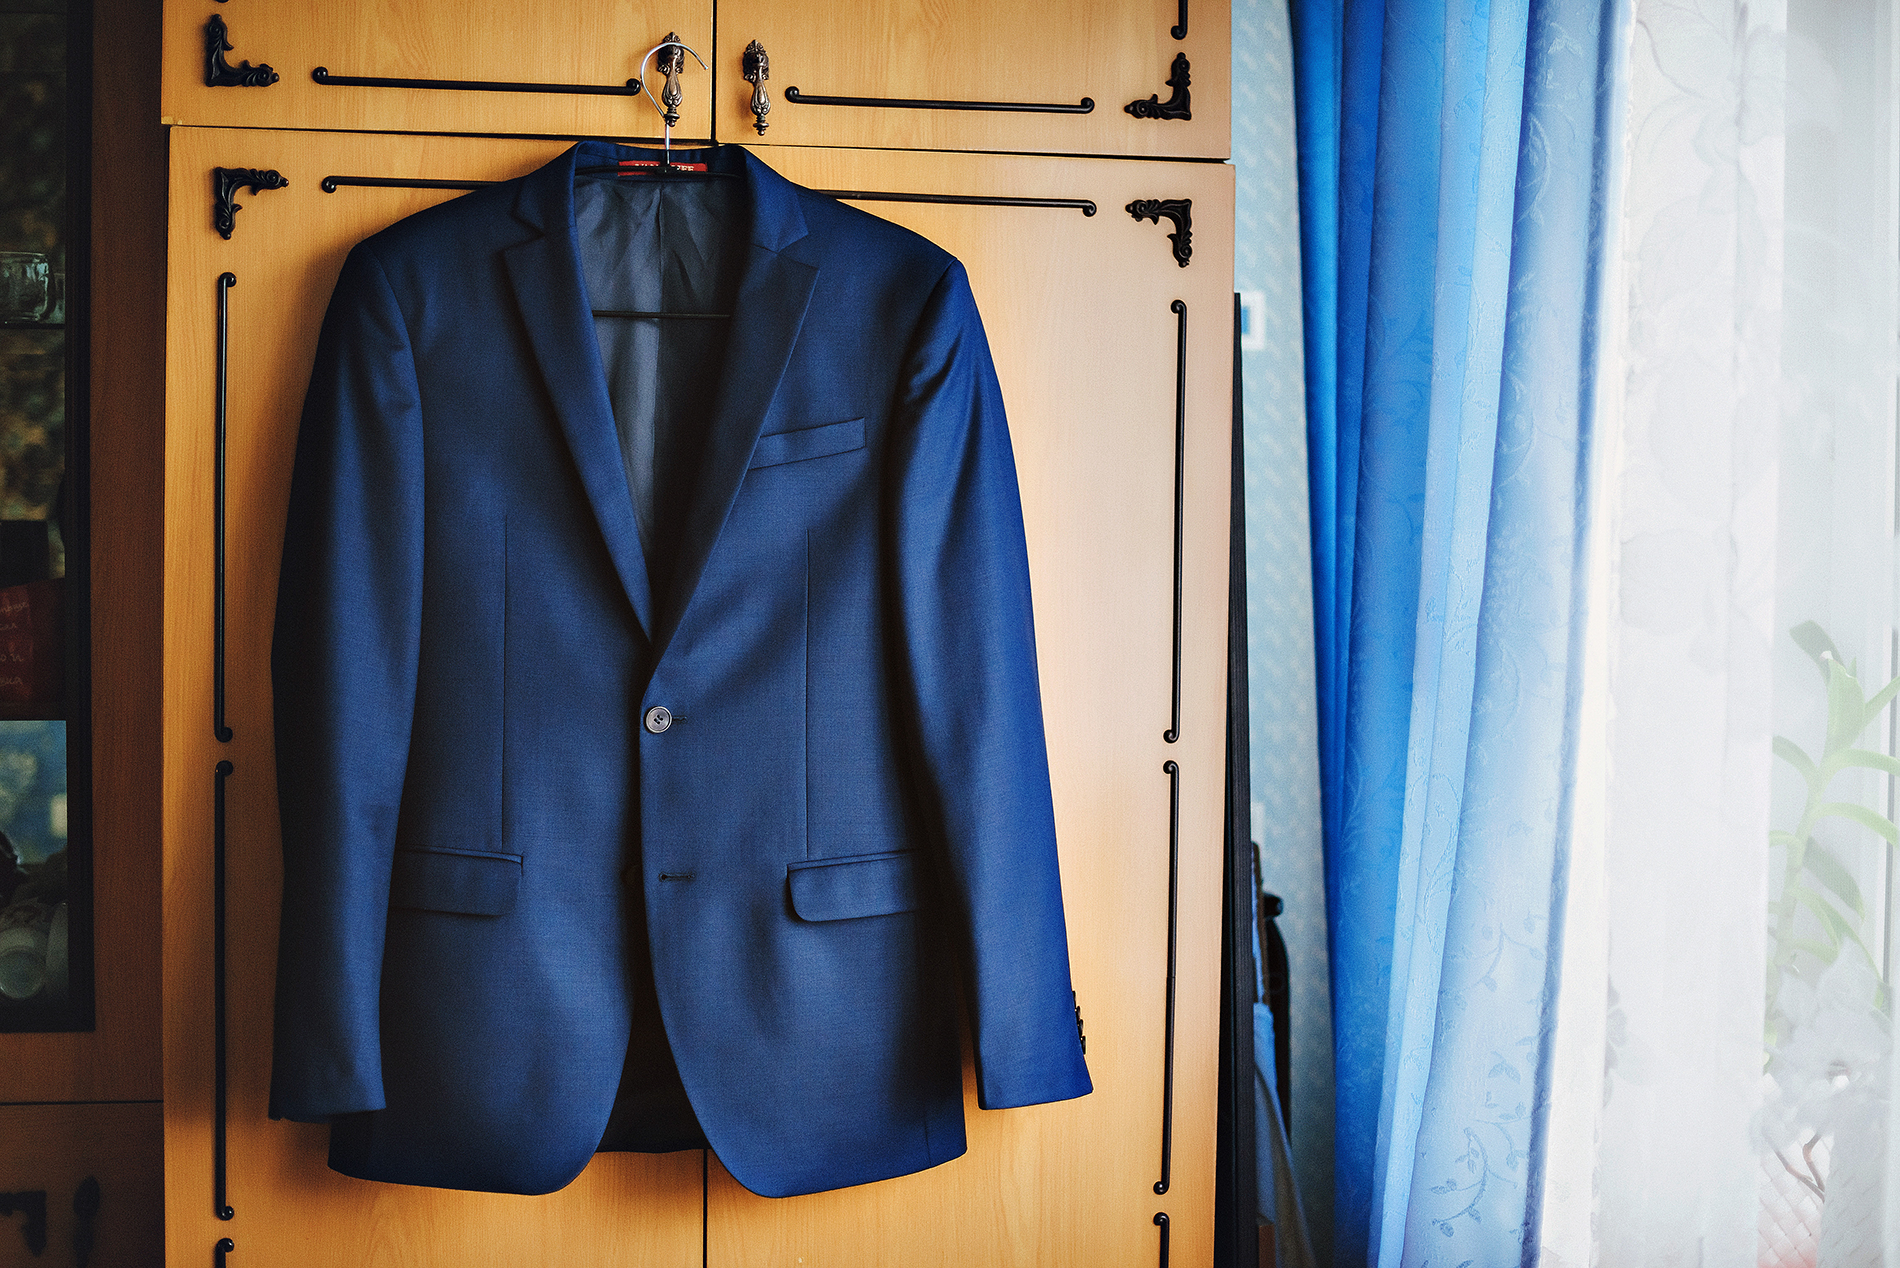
(489, 861)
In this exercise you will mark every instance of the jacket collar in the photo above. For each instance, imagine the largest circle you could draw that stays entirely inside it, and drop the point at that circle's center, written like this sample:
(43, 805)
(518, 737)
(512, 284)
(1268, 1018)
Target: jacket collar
(774, 288)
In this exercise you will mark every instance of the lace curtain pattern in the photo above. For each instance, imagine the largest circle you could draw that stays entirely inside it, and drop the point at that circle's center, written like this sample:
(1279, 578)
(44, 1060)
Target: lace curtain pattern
(1725, 1065)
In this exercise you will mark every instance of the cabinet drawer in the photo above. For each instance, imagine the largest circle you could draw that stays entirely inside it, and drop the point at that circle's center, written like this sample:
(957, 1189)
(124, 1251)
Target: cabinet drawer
(83, 1183)
(984, 75)
(587, 45)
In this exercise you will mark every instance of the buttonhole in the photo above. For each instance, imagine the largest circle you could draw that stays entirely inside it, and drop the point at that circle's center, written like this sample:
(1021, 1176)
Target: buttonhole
(676, 876)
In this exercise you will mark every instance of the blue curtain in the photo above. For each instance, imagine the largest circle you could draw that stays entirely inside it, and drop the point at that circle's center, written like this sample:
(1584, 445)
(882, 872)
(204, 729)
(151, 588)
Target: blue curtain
(1455, 164)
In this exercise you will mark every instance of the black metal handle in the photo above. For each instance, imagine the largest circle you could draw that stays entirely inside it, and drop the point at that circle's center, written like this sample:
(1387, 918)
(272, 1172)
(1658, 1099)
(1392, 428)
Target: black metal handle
(1084, 205)
(224, 1247)
(1179, 29)
(1179, 308)
(1161, 1222)
(219, 1072)
(1173, 772)
(323, 76)
(223, 733)
(86, 1202)
(330, 184)
(913, 103)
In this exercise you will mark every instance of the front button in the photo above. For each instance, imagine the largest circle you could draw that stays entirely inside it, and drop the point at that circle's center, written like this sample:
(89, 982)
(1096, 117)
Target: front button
(659, 717)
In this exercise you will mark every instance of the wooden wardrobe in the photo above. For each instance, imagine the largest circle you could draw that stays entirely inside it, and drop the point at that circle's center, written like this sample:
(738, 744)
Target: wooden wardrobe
(1098, 239)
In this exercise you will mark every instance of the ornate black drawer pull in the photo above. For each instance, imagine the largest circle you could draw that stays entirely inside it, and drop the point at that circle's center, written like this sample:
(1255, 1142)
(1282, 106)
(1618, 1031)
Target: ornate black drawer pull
(1179, 29)
(1179, 309)
(756, 68)
(1176, 106)
(1173, 771)
(225, 183)
(224, 1247)
(323, 76)
(1161, 1217)
(221, 74)
(1178, 210)
(219, 1073)
(223, 733)
(911, 103)
(330, 184)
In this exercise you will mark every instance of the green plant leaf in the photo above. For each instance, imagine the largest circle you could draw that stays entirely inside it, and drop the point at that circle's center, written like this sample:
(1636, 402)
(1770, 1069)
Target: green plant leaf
(1825, 954)
(1793, 754)
(1882, 698)
(1866, 757)
(1869, 819)
(1833, 923)
(1786, 839)
(1828, 870)
(1846, 708)
(1813, 640)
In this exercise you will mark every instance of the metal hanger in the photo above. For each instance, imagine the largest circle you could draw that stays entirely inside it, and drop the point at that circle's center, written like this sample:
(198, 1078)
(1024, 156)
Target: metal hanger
(672, 62)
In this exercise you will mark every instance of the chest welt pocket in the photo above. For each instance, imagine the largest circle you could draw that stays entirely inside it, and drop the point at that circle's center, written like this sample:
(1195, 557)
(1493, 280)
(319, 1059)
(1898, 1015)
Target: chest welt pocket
(468, 882)
(860, 885)
(808, 442)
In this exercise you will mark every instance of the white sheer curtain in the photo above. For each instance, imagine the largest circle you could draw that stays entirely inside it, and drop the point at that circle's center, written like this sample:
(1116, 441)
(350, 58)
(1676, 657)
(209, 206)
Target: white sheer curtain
(1725, 1065)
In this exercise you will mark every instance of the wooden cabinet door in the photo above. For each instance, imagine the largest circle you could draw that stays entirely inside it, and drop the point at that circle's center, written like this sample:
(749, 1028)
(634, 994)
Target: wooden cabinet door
(1114, 360)
(79, 1185)
(642, 1211)
(1081, 317)
(912, 74)
(594, 44)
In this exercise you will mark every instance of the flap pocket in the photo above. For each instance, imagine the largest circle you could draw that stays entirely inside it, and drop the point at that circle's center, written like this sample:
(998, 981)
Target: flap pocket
(808, 442)
(862, 885)
(471, 882)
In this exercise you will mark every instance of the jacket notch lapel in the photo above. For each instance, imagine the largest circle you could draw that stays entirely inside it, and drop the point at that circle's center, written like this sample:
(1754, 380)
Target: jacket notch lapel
(774, 291)
(545, 273)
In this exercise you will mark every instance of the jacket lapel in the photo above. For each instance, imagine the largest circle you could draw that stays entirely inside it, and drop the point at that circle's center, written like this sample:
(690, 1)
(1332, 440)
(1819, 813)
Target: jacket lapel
(774, 290)
(545, 272)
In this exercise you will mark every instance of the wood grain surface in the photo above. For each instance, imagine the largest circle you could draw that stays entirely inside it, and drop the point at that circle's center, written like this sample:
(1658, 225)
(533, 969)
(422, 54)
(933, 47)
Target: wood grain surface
(1077, 310)
(1055, 51)
(592, 42)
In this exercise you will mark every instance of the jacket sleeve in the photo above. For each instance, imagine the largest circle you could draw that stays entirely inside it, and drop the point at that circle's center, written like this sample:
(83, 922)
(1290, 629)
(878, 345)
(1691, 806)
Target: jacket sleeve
(970, 670)
(343, 670)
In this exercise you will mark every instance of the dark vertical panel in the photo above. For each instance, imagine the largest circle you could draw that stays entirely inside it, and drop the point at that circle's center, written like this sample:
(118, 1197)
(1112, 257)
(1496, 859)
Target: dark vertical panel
(1235, 1242)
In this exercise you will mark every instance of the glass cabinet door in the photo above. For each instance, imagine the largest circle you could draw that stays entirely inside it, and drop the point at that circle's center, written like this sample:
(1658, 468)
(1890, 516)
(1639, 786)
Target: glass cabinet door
(45, 890)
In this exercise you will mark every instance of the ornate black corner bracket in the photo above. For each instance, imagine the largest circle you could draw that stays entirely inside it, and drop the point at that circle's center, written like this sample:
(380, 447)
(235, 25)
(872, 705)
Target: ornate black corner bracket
(31, 1204)
(221, 74)
(225, 183)
(756, 67)
(1176, 106)
(1180, 211)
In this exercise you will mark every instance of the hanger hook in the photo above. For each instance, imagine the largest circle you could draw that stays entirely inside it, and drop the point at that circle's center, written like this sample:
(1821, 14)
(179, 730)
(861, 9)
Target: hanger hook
(670, 91)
